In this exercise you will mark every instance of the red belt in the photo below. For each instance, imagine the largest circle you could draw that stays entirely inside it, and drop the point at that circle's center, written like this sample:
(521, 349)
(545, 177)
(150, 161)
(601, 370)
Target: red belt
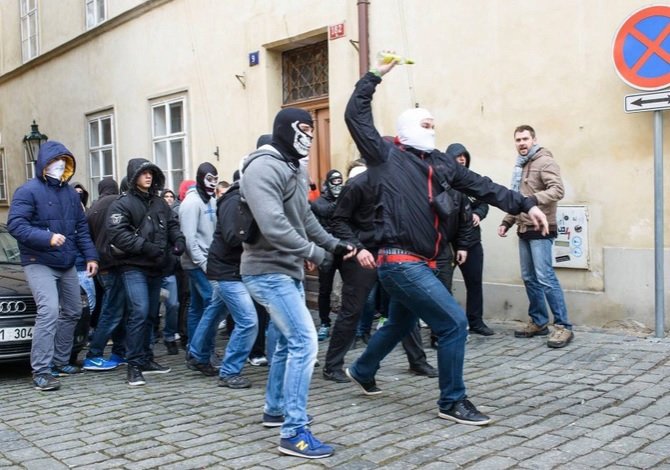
(384, 258)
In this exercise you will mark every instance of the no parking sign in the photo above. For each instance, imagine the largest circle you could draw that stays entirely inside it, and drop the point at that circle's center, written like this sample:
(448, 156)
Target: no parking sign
(641, 49)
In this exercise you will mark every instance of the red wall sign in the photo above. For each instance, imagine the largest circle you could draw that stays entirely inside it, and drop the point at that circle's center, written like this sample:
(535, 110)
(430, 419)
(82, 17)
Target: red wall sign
(336, 31)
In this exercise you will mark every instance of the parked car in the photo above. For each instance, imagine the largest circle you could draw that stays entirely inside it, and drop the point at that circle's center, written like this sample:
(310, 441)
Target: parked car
(18, 309)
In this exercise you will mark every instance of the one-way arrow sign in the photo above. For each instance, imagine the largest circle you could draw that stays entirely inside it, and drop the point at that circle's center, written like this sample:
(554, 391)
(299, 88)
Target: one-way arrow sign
(655, 101)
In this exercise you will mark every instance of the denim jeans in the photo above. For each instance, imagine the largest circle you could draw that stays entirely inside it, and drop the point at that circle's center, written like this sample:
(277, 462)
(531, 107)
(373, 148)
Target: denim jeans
(169, 283)
(541, 283)
(88, 285)
(241, 307)
(201, 296)
(201, 344)
(416, 291)
(57, 295)
(143, 295)
(111, 315)
(293, 360)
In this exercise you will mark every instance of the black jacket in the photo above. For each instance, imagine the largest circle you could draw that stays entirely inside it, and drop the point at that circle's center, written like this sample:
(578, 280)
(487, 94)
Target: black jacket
(406, 181)
(225, 252)
(352, 220)
(324, 208)
(136, 219)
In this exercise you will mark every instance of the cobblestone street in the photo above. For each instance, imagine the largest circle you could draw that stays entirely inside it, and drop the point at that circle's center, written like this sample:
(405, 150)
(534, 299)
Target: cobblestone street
(604, 401)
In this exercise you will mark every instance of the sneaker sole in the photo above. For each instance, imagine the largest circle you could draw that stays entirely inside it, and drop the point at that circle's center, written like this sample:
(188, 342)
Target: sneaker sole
(304, 456)
(559, 345)
(137, 384)
(47, 389)
(463, 421)
(149, 372)
(99, 369)
(365, 392)
(267, 424)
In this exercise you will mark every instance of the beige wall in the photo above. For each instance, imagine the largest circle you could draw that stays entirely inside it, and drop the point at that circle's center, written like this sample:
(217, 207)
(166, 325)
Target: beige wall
(482, 68)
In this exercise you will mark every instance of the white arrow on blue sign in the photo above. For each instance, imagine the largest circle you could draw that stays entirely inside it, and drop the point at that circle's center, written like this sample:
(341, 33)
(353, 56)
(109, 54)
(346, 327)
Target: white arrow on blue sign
(655, 101)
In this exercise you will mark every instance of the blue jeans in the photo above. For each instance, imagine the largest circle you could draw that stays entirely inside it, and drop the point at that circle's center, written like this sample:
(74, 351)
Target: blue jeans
(169, 283)
(88, 285)
(541, 283)
(415, 291)
(112, 314)
(368, 312)
(241, 307)
(201, 344)
(293, 360)
(143, 294)
(201, 296)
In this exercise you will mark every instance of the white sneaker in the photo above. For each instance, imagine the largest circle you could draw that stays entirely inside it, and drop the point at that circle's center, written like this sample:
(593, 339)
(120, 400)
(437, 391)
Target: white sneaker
(258, 361)
(222, 324)
(423, 324)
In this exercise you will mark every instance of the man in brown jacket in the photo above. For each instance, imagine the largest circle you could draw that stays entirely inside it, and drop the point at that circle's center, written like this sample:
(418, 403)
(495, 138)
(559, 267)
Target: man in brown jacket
(536, 173)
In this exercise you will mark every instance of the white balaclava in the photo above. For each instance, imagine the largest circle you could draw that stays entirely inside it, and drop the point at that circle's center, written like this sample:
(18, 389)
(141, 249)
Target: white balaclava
(411, 133)
(56, 169)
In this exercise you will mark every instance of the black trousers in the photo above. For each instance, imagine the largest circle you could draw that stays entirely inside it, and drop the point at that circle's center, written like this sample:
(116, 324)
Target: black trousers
(357, 282)
(326, 277)
(472, 271)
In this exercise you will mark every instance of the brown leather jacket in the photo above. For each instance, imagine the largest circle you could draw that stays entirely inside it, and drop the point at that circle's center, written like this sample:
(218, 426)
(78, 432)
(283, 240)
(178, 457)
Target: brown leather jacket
(541, 177)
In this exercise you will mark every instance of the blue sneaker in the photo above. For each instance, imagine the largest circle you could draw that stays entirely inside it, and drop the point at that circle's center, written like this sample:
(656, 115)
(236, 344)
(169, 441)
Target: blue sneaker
(118, 360)
(99, 363)
(305, 445)
(45, 382)
(323, 333)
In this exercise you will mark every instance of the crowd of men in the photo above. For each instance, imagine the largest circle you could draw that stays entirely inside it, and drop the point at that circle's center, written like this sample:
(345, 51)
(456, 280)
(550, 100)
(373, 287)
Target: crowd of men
(407, 215)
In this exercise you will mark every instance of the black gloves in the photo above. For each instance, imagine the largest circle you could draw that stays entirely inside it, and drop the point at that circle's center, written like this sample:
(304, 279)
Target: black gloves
(342, 248)
(179, 247)
(152, 250)
(327, 263)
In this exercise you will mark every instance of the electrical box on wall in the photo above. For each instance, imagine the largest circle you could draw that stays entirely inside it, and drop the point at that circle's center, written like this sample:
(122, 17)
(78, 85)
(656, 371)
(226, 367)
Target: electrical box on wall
(571, 247)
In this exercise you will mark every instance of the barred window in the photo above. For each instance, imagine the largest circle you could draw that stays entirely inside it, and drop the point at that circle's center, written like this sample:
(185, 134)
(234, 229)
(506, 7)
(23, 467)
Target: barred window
(305, 73)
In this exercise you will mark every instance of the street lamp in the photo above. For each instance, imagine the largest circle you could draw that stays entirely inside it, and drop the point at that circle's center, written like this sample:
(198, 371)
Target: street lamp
(33, 141)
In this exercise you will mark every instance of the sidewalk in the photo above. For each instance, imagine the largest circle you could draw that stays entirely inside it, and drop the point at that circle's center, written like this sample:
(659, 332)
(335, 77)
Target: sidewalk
(602, 402)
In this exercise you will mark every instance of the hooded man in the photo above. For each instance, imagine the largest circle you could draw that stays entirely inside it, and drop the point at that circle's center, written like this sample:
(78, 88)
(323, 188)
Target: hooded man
(47, 219)
(274, 185)
(409, 181)
(197, 217)
(140, 225)
(324, 208)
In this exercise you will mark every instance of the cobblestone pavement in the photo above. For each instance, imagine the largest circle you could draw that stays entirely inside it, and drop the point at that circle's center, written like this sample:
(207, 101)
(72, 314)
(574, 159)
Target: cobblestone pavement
(602, 402)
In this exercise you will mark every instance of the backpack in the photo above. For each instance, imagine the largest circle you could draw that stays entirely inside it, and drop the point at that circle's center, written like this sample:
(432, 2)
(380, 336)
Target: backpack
(246, 228)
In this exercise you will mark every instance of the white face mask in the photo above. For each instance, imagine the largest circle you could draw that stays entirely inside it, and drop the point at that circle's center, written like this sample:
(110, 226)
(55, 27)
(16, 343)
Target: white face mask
(56, 169)
(301, 141)
(210, 182)
(412, 134)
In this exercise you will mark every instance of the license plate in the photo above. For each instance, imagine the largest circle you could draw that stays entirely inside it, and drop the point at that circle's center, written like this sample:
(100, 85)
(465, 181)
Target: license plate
(22, 333)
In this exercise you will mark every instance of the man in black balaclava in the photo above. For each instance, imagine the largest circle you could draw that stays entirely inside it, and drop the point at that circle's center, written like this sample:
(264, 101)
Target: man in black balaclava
(206, 179)
(288, 134)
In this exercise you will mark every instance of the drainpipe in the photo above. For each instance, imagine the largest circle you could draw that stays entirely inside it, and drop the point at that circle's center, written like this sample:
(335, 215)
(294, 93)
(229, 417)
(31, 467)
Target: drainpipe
(363, 33)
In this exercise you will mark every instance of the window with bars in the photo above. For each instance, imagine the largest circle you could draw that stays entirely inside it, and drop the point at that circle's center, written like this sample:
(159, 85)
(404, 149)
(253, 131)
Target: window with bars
(96, 12)
(100, 150)
(29, 29)
(169, 140)
(305, 73)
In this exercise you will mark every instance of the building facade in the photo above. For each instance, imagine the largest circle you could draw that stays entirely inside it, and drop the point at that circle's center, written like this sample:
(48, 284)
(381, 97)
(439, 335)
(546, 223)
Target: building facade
(186, 81)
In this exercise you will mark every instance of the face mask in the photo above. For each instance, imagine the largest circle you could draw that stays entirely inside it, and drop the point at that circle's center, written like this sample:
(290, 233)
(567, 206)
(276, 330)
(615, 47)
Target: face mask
(411, 133)
(335, 184)
(210, 182)
(56, 169)
(301, 141)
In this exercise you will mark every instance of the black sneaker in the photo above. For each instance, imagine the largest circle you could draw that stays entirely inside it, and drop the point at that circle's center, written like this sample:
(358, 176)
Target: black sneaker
(464, 412)
(46, 382)
(368, 388)
(335, 376)
(206, 369)
(272, 421)
(135, 376)
(234, 381)
(425, 369)
(172, 348)
(152, 367)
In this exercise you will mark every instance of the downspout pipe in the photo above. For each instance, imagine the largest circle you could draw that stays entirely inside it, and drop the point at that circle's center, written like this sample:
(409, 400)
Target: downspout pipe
(363, 35)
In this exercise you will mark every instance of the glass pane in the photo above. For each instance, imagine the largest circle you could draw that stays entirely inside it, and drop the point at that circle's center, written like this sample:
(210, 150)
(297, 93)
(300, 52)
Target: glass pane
(90, 15)
(159, 121)
(176, 117)
(93, 139)
(24, 50)
(160, 152)
(177, 178)
(106, 131)
(101, 11)
(107, 163)
(24, 28)
(32, 24)
(33, 46)
(94, 189)
(95, 164)
(24, 5)
(177, 149)
(32, 4)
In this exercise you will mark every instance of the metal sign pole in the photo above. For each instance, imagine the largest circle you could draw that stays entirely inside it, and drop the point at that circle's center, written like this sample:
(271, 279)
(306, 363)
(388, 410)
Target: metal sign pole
(659, 277)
